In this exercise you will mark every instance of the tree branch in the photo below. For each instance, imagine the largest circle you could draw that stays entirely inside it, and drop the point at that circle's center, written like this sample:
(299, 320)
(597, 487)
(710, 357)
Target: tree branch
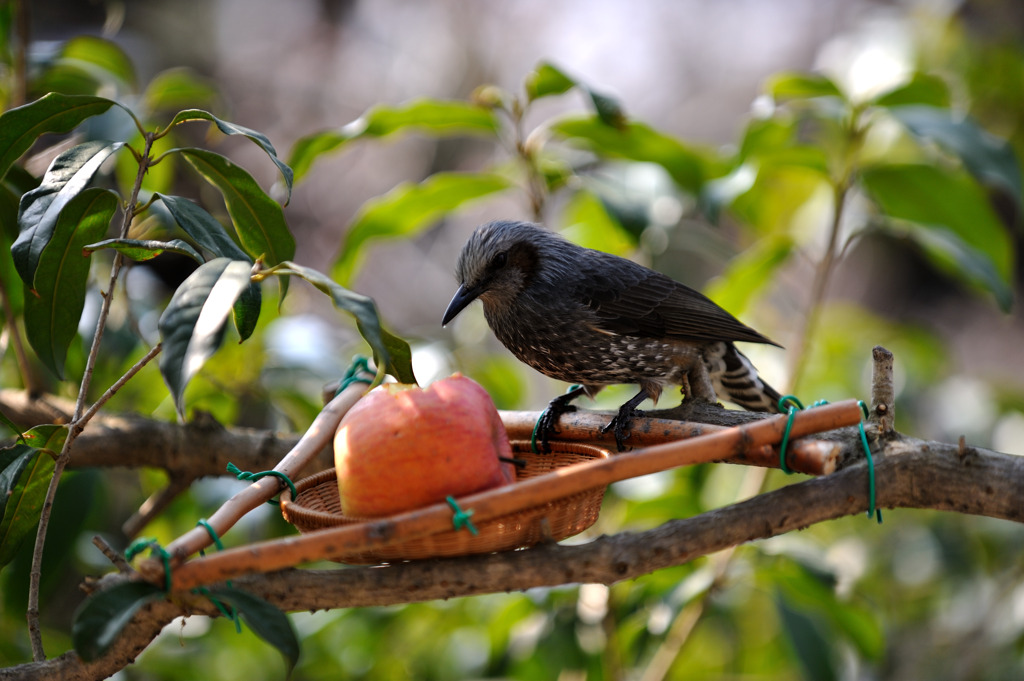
(910, 474)
(203, 447)
(198, 448)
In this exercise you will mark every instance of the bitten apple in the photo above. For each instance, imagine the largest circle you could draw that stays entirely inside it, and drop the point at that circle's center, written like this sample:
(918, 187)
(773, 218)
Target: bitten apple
(403, 447)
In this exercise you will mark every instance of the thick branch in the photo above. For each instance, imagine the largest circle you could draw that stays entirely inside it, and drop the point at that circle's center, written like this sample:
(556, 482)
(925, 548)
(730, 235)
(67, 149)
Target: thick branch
(910, 474)
(203, 447)
(198, 448)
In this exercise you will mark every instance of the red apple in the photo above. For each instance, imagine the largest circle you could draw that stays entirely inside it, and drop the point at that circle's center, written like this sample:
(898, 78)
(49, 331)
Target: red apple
(403, 447)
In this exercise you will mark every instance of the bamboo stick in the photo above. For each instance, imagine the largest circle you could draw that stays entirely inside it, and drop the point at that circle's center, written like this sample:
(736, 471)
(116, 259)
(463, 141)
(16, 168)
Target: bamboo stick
(812, 457)
(350, 539)
(319, 435)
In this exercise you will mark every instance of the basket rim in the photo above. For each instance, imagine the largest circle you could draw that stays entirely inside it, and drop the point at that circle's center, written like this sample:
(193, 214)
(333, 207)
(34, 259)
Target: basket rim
(328, 474)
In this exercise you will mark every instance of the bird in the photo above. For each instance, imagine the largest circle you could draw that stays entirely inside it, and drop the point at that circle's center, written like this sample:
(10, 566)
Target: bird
(595, 319)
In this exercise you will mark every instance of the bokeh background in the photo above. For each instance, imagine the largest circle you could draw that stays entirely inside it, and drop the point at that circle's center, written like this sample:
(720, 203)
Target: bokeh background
(923, 596)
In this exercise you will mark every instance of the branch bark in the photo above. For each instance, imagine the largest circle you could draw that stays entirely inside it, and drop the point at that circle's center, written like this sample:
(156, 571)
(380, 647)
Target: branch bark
(910, 474)
(196, 449)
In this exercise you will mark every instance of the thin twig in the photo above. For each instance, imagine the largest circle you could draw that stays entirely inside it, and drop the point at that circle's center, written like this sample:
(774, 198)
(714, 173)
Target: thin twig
(536, 188)
(24, 366)
(153, 506)
(113, 556)
(75, 427)
(883, 390)
(118, 384)
(822, 276)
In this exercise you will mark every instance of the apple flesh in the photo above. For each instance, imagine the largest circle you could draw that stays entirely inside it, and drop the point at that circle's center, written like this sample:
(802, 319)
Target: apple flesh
(403, 447)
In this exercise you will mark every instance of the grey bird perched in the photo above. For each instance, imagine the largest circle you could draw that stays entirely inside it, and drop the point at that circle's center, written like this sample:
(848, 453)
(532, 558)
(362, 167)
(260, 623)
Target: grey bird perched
(595, 319)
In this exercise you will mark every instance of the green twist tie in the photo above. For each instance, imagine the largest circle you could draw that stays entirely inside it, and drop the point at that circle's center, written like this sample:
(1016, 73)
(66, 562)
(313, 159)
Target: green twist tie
(536, 426)
(141, 544)
(202, 522)
(461, 519)
(359, 365)
(233, 613)
(872, 509)
(253, 477)
(795, 405)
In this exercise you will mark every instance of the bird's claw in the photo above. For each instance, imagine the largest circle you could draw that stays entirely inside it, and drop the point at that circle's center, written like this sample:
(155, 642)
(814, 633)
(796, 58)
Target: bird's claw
(548, 421)
(619, 425)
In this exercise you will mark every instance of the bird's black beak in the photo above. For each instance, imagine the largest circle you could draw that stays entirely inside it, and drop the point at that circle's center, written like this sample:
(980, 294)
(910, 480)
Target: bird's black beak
(463, 297)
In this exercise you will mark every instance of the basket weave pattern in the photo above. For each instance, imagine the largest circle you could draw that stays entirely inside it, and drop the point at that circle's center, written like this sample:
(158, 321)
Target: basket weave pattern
(318, 506)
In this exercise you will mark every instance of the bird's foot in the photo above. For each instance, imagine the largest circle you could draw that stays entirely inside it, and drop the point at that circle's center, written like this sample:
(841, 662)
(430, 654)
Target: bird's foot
(619, 425)
(547, 424)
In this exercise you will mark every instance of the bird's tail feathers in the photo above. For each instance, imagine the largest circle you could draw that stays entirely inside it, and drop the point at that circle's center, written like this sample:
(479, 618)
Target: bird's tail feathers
(735, 379)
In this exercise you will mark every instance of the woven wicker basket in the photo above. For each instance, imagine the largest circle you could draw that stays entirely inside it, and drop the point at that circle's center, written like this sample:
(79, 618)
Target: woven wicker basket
(318, 506)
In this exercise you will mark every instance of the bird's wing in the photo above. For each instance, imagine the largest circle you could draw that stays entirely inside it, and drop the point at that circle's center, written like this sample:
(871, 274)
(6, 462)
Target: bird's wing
(628, 298)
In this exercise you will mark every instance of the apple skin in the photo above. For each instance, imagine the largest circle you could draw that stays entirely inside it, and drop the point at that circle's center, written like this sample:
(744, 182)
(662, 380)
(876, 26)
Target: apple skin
(402, 447)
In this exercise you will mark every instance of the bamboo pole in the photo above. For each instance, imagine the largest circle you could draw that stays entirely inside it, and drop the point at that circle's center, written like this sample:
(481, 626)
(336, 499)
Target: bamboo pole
(319, 435)
(363, 537)
(812, 457)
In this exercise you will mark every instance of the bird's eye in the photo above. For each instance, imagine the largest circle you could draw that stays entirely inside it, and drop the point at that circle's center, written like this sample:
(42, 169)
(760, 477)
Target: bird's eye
(500, 260)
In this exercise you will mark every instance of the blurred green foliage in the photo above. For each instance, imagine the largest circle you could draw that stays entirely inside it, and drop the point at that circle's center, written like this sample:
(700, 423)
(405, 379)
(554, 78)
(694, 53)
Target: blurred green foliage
(814, 174)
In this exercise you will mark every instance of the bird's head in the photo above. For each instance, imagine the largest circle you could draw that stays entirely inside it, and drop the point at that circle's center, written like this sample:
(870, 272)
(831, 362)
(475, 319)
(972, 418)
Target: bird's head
(499, 260)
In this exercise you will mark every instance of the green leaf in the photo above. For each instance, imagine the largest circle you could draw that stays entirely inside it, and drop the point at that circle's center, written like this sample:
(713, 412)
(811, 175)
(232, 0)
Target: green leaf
(749, 273)
(547, 79)
(178, 88)
(9, 278)
(814, 650)
(989, 158)
(227, 128)
(210, 234)
(258, 219)
(788, 86)
(432, 116)
(438, 118)
(13, 460)
(769, 197)
(775, 141)
(192, 326)
(66, 177)
(810, 587)
(391, 354)
(921, 89)
(54, 113)
(608, 109)
(246, 311)
(145, 249)
(938, 199)
(24, 490)
(203, 228)
(637, 142)
(12, 426)
(100, 58)
(104, 615)
(410, 208)
(951, 255)
(53, 312)
(48, 438)
(589, 224)
(266, 621)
